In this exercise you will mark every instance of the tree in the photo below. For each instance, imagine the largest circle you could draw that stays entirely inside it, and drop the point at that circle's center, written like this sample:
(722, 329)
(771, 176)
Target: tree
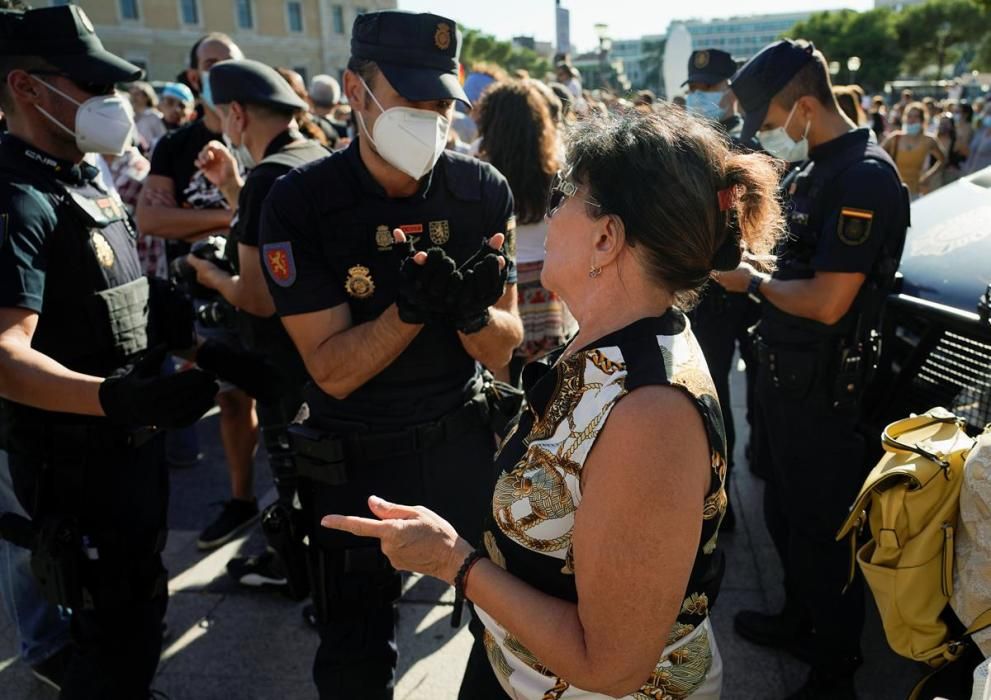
(870, 35)
(484, 48)
(938, 32)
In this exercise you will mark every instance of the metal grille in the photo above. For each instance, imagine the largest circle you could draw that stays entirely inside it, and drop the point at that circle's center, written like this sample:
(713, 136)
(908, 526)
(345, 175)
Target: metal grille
(957, 374)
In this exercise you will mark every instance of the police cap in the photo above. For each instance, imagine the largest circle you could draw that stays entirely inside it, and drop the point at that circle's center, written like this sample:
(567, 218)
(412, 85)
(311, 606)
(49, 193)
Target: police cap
(417, 53)
(710, 66)
(252, 83)
(65, 37)
(763, 77)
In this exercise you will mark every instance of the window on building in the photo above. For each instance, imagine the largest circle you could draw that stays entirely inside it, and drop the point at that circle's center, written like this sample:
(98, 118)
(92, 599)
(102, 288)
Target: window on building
(294, 10)
(337, 11)
(190, 11)
(128, 9)
(245, 15)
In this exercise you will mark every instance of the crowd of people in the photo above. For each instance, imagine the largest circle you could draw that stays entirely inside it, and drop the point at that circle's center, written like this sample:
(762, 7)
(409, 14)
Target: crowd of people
(371, 278)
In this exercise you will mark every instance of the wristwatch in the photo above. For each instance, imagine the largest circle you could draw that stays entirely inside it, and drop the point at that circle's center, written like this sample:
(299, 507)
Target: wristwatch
(753, 286)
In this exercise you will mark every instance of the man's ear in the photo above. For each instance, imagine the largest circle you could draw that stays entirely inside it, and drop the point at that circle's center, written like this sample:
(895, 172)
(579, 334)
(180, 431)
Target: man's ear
(354, 90)
(193, 77)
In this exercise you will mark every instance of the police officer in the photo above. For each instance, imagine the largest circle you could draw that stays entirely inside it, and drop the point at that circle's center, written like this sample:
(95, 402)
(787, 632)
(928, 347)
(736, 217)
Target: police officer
(816, 346)
(722, 320)
(80, 395)
(256, 106)
(382, 263)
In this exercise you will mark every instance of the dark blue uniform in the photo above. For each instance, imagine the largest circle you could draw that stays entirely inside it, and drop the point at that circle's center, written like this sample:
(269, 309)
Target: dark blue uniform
(847, 212)
(67, 252)
(416, 432)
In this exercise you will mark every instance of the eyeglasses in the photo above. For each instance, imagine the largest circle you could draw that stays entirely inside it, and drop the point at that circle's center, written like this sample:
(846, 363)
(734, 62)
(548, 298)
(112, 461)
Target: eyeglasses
(562, 189)
(89, 88)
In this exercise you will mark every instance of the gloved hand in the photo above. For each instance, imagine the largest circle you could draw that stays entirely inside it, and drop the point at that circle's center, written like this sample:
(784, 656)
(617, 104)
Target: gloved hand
(251, 371)
(483, 284)
(136, 395)
(428, 291)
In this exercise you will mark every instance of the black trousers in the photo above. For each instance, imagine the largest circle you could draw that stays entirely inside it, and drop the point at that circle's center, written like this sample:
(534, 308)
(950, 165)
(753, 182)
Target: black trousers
(357, 653)
(814, 458)
(119, 494)
(721, 322)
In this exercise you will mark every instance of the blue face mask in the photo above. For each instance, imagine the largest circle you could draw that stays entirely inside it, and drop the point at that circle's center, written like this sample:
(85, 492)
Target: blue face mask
(706, 104)
(205, 93)
(913, 129)
(986, 121)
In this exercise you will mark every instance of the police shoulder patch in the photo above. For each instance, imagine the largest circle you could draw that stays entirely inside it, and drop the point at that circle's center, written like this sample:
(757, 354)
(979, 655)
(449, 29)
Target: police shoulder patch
(279, 263)
(854, 226)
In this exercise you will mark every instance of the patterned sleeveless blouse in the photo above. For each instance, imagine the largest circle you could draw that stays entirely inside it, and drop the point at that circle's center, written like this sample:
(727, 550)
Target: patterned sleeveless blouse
(538, 492)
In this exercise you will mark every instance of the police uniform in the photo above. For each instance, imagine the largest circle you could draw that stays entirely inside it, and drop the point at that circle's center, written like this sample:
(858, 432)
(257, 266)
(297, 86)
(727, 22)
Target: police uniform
(417, 431)
(847, 213)
(722, 320)
(97, 492)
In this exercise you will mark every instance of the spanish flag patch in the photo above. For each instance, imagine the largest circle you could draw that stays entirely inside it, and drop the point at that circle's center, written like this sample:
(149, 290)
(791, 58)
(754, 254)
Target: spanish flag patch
(854, 227)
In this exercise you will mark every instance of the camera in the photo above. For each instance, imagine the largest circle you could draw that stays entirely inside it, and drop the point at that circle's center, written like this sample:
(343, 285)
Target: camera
(212, 249)
(216, 314)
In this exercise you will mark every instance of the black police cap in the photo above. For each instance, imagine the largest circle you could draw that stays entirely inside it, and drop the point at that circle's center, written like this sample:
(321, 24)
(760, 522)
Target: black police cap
(65, 37)
(251, 82)
(417, 53)
(763, 77)
(710, 66)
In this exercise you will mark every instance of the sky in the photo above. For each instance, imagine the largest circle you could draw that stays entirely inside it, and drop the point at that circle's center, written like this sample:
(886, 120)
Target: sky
(627, 19)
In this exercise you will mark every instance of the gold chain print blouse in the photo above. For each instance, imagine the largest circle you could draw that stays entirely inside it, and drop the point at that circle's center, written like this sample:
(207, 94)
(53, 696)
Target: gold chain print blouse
(538, 492)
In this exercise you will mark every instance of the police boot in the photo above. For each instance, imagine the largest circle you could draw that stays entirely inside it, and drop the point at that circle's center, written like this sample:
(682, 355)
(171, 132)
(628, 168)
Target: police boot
(789, 629)
(833, 681)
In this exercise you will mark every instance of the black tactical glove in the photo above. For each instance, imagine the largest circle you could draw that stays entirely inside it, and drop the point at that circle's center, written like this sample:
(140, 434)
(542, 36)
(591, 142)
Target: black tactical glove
(251, 371)
(427, 292)
(483, 284)
(136, 395)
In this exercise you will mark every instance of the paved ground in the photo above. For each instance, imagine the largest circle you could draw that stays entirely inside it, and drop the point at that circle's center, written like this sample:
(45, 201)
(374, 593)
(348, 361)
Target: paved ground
(244, 645)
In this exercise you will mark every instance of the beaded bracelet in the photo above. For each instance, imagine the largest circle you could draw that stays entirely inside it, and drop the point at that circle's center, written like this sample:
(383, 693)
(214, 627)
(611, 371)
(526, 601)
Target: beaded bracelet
(459, 585)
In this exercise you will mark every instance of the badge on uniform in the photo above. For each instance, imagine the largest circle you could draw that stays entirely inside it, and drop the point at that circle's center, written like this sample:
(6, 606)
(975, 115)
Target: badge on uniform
(442, 37)
(854, 227)
(412, 231)
(440, 232)
(101, 247)
(701, 59)
(383, 238)
(359, 283)
(280, 263)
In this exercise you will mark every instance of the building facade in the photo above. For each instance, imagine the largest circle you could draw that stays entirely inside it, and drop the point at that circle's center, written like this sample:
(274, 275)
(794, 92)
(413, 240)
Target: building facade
(741, 37)
(642, 60)
(310, 36)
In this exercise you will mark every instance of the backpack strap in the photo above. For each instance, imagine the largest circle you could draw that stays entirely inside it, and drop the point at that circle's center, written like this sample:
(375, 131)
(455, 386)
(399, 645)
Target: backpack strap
(954, 650)
(893, 431)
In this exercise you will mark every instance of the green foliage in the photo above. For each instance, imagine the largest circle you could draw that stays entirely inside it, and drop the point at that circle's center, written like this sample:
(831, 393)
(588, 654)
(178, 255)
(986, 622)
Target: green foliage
(485, 48)
(937, 34)
(871, 35)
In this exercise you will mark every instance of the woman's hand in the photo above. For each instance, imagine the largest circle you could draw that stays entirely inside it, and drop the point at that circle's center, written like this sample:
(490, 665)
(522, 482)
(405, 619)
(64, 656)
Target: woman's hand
(735, 280)
(218, 164)
(414, 538)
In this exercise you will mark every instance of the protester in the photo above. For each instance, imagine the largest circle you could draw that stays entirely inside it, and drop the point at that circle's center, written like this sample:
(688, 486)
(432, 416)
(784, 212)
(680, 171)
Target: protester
(963, 118)
(519, 138)
(147, 119)
(877, 118)
(312, 128)
(912, 148)
(176, 105)
(980, 146)
(956, 155)
(848, 100)
(624, 434)
(325, 98)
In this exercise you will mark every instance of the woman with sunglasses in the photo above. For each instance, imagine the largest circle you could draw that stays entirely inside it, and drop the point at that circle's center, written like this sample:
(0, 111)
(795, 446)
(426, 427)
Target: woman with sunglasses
(520, 139)
(598, 564)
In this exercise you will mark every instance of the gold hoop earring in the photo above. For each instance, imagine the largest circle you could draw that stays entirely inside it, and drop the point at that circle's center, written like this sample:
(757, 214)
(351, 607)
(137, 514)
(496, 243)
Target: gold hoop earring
(594, 271)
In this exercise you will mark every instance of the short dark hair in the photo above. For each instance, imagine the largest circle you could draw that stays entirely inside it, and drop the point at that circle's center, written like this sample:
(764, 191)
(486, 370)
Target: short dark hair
(363, 68)
(8, 64)
(194, 53)
(661, 174)
(811, 79)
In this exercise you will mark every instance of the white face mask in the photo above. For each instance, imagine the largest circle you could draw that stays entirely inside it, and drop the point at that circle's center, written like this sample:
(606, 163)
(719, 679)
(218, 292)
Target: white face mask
(779, 144)
(408, 139)
(104, 124)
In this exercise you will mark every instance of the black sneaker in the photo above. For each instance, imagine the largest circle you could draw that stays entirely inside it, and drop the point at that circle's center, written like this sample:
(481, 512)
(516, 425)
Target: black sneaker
(235, 517)
(52, 670)
(258, 571)
(828, 686)
(786, 630)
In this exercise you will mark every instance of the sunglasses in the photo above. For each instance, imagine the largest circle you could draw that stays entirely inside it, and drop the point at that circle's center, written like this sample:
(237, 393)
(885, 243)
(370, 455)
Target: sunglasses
(562, 189)
(89, 88)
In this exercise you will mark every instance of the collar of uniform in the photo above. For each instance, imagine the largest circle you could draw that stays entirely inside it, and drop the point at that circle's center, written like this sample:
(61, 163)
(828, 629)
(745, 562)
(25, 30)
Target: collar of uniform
(840, 143)
(281, 141)
(370, 185)
(35, 158)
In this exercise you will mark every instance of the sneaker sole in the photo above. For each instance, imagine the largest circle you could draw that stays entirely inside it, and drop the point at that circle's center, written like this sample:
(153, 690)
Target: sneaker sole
(259, 580)
(204, 546)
